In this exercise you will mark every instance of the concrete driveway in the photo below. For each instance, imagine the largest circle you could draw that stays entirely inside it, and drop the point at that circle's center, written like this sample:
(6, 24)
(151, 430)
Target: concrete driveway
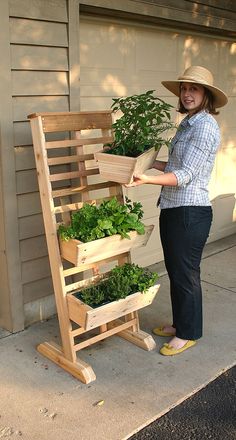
(41, 401)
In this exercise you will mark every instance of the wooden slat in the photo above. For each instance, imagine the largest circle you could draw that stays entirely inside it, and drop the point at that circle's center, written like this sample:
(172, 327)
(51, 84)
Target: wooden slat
(78, 142)
(79, 205)
(112, 331)
(74, 121)
(39, 58)
(24, 105)
(38, 32)
(75, 270)
(85, 283)
(72, 175)
(77, 332)
(52, 240)
(69, 159)
(80, 189)
(43, 10)
(26, 82)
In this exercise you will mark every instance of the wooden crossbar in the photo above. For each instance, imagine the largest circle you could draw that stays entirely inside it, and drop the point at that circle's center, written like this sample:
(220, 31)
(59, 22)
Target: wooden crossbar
(78, 142)
(69, 159)
(74, 121)
(82, 189)
(76, 206)
(73, 175)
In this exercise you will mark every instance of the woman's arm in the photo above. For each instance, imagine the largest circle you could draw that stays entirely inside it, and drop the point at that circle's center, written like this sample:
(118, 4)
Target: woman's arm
(167, 179)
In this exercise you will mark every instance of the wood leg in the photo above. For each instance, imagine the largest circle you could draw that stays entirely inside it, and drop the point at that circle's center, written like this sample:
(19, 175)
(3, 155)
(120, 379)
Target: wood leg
(139, 338)
(128, 318)
(79, 369)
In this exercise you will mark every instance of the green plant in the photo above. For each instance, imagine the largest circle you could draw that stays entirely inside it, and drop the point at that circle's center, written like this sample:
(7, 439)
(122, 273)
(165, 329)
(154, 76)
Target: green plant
(111, 217)
(121, 282)
(145, 118)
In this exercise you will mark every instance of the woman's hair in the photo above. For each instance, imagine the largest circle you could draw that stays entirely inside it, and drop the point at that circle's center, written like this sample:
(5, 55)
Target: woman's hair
(207, 104)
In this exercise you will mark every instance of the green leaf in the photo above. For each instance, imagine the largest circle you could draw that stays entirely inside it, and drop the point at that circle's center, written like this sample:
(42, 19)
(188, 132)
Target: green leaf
(122, 281)
(92, 222)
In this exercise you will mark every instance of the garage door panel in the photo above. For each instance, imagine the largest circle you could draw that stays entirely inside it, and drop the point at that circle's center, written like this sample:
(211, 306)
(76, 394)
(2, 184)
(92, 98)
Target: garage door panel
(148, 255)
(225, 171)
(226, 117)
(224, 213)
(155, 59)
(196, 50)
(99, 39)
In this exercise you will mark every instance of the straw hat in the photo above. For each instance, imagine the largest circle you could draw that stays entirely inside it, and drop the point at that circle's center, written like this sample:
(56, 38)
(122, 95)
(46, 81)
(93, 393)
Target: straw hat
(198, 75)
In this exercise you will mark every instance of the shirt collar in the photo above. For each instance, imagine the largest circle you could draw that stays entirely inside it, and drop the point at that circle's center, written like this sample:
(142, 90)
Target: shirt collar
(191, 121)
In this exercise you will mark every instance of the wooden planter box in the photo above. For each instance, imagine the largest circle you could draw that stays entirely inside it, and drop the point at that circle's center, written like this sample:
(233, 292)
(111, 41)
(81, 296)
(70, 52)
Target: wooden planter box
(121, 169)
(89, 318)
(79, 253)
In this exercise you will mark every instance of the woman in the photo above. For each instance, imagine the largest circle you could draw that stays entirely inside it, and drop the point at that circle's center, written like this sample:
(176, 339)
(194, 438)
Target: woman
(186, 212)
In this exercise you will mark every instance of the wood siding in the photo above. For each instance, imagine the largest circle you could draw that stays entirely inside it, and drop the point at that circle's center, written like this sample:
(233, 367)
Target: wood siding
(214, 16)
(40, 82)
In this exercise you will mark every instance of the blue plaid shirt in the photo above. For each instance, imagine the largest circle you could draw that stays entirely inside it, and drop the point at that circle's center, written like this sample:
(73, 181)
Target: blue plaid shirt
(191, 159)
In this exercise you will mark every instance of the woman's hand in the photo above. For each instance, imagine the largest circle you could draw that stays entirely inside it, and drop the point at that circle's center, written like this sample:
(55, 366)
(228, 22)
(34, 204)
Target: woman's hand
(167, 179)
(138, 180)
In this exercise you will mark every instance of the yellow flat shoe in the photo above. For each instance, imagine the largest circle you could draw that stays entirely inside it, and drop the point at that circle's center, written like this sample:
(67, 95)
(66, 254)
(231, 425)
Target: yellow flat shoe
(159, 331)
(168, 350)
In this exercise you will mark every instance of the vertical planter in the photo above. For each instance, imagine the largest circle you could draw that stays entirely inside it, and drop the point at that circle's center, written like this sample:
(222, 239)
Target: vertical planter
(78, 252)
(121, 169)
(89, 317)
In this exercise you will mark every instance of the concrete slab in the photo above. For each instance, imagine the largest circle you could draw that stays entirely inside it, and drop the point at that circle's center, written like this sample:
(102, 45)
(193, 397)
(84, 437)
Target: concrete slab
(215, 271)
(4, 333)
(40, 401)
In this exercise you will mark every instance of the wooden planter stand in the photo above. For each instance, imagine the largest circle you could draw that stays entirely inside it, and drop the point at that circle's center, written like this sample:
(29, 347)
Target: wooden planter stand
(64, 147)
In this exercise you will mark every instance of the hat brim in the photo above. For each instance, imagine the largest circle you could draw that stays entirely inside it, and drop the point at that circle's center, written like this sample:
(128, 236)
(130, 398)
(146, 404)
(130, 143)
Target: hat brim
(220, 98)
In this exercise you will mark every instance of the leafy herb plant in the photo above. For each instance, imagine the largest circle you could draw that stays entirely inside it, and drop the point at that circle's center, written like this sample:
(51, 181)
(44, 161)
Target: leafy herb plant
(145, 118)
(121, 282)
(111, 217)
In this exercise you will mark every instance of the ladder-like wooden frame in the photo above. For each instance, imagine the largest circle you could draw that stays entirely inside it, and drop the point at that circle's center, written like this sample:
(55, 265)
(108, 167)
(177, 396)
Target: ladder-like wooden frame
(72, 190)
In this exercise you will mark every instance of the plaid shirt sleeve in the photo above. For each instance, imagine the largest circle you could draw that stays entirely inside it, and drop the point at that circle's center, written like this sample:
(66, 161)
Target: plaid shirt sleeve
(191, 159)
(198, 149)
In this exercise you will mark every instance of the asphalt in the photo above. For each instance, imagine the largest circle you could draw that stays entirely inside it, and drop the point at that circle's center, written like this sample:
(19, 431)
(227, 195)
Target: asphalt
(134, 388)
(209, 414)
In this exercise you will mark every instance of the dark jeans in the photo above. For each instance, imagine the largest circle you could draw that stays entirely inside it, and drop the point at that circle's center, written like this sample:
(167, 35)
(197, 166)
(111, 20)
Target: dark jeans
(184, 232)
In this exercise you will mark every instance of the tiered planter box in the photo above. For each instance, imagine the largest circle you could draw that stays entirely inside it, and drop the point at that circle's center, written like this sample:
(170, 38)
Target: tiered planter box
(89, 318)
(121, 169)
(75, 317)
(79, 253)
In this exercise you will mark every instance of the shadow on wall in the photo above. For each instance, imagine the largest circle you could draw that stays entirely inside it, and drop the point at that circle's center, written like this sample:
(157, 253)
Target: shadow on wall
(224, 216)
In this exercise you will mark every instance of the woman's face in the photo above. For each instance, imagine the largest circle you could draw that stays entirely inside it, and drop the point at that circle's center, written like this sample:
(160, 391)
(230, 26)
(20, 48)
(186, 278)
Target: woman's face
(191, 96)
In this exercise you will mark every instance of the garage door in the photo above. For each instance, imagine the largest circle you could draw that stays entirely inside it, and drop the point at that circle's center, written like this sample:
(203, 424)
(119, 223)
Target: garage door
(119, 59)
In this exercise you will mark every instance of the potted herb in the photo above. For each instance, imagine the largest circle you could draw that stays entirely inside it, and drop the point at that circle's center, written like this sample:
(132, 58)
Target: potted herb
(99, 232)
(138, 136)
(126, 289)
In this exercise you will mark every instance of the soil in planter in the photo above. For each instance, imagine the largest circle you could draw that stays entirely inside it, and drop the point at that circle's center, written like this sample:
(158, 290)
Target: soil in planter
(118, 151)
